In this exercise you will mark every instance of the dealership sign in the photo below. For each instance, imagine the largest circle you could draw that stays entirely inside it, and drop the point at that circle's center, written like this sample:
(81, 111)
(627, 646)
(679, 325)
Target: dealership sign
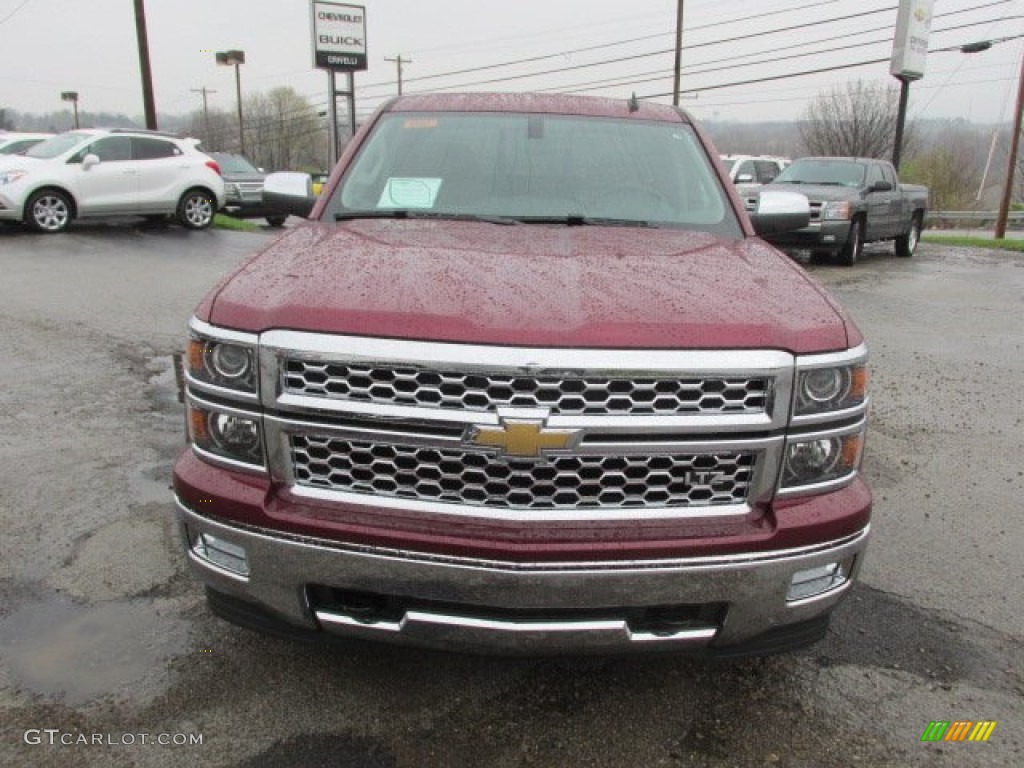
(910, 43)
(339, 36)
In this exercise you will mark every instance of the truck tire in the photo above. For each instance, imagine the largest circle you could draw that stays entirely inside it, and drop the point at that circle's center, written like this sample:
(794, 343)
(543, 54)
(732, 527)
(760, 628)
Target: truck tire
(854, 244)
(906, 243)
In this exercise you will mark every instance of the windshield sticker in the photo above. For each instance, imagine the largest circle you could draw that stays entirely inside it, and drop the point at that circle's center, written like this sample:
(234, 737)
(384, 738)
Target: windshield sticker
(420, 122)
(409, 193)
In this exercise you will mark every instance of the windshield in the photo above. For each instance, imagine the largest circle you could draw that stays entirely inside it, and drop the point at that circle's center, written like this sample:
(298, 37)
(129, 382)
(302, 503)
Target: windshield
(58, 145)
(233, 163)
(845, 173)
(534, 167)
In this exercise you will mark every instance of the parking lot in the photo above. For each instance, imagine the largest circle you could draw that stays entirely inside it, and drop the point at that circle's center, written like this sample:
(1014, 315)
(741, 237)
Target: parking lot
(107, 646)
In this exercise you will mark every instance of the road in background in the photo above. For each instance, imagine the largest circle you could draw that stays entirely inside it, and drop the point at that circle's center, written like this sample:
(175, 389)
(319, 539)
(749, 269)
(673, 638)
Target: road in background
(103, 634)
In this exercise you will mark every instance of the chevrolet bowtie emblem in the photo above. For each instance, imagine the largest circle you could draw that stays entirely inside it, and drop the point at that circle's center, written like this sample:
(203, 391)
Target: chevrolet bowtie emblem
(522, 438)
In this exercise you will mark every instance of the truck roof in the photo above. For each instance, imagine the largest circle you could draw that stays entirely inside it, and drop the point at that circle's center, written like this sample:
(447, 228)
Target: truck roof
(539, 103)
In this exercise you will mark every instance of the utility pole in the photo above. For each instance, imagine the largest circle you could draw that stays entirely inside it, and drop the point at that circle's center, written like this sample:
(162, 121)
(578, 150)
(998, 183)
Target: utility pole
(147, 76)
(1011, 170)
(206, 112)
(679, 54)
(399, 61)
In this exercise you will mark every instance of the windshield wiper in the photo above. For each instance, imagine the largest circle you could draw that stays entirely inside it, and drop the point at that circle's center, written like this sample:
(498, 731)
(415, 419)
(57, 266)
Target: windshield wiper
(578, 220)
(405, 213)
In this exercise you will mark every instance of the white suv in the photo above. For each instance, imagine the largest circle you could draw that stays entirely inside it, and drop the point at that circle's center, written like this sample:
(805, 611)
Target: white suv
(88, 173)
(748, 172)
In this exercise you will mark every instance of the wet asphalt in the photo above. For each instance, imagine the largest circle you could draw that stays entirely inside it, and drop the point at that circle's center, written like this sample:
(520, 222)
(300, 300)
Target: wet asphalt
(106, 646)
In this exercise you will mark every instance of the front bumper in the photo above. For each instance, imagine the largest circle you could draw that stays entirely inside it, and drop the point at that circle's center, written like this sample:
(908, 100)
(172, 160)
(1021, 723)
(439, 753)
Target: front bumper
(819, 236)
(719, 604)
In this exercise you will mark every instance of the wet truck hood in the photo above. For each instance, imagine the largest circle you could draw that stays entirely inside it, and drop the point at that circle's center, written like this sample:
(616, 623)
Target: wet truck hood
(531, 285)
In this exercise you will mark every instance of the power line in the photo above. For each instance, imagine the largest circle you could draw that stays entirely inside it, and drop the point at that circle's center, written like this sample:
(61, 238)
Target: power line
(738, 38)
(21, 5)
(587, 49)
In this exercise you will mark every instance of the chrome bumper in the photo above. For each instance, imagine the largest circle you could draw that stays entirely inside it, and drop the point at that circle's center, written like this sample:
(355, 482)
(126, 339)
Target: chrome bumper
(753, 587)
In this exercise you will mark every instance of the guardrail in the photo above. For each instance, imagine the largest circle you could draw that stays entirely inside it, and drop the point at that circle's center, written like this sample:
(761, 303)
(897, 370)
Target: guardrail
(970, 219)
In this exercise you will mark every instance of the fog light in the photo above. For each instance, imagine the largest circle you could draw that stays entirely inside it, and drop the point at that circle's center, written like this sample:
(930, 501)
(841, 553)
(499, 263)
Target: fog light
(222, 553)
(817, 581)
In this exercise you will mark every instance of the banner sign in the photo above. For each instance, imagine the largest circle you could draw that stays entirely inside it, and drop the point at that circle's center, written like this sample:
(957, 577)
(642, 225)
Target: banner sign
(339, 36)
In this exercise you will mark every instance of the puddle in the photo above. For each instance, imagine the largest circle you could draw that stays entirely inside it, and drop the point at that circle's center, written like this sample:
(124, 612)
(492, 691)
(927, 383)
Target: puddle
(83, 652)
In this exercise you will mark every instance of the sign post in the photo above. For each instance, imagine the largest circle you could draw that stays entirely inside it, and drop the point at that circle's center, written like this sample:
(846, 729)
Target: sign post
(339, 45)
(909, 56)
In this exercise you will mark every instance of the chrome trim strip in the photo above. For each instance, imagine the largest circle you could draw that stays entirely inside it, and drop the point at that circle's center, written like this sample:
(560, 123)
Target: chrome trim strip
(658, 444)
(689, 422)
(844, 357)
(389, 553)
(221, 334)
(731, 511)
(531, 360)
(238, 466)
(213, 389)
(814, 419)
(231, 410)
(620, 627)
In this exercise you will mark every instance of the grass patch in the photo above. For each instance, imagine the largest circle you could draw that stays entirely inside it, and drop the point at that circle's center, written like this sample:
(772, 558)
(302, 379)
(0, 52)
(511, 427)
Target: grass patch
(238, 225)
(976, 242)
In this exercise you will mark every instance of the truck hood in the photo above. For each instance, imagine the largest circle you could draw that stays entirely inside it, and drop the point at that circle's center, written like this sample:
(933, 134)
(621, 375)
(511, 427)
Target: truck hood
(823, 192)
(530, 285)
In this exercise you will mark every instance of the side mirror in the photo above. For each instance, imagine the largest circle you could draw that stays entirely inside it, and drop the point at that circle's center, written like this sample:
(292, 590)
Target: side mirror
(881, 186)
(89, 161)
(289, 192)
(780, 211)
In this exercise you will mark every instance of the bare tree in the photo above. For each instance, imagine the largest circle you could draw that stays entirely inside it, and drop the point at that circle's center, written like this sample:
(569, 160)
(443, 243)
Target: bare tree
(282, 130)
(857, 119)
(217, 130)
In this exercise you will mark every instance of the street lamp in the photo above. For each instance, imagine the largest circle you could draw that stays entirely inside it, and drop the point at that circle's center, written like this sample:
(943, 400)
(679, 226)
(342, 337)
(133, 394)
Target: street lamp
(228, 59)
(71, 96)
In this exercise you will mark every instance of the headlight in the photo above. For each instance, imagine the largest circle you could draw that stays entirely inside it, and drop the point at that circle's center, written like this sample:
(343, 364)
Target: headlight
(230, 435)
(9, 177)
(222, 363)
(832, 383)
(835, 211)
(832, 388)
(822, 459)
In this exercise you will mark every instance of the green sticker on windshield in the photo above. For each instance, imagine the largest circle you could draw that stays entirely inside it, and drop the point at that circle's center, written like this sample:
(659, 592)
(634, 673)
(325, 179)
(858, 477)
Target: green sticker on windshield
(409, 193)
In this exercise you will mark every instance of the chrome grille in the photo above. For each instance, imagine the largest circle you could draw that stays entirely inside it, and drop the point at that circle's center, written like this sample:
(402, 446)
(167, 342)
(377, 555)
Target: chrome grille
(482, 479)
(564, 395)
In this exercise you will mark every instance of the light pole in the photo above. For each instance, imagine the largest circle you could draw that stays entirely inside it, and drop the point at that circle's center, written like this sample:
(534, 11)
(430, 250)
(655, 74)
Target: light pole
(1004, 204)
(71, 96)
(235, 59)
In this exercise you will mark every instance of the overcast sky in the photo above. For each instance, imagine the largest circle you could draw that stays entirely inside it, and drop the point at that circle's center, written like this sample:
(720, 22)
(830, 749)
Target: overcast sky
(89, 46)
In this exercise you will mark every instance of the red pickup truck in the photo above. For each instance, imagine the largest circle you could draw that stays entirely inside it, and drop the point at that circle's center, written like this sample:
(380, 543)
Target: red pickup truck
(526, 381)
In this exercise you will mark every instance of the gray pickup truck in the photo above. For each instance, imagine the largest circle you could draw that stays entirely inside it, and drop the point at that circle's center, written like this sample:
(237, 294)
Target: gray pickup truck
(854, 200)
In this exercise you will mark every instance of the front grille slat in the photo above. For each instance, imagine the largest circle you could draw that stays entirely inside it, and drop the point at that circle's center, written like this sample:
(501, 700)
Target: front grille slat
(484, 479)
(570, 395)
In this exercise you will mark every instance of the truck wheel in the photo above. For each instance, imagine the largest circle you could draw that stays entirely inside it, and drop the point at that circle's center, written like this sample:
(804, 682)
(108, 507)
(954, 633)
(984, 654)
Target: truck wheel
(276, 221)
(905, 244)
(196, 209)
(49, 211)
(854, 244)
